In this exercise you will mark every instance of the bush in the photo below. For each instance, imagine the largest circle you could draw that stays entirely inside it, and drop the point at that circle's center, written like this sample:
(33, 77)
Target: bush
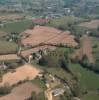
(5, 90)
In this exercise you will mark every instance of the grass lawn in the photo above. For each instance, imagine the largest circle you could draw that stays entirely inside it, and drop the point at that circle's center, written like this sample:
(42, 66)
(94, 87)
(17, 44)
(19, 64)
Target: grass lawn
(16, 26)
(91, 97)
(88, 79)
(7, 47)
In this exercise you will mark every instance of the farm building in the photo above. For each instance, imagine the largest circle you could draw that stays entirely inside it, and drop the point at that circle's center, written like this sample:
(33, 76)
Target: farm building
(57, 92)
(40, 21)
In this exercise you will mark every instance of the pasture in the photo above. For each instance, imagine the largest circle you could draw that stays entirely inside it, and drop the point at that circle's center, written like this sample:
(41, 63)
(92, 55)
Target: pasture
(18, 26)
(7, 47)
(88, 79)
(64, 22)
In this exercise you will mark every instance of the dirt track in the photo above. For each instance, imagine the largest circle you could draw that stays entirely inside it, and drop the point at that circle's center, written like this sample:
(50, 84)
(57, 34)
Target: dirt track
(22, 92)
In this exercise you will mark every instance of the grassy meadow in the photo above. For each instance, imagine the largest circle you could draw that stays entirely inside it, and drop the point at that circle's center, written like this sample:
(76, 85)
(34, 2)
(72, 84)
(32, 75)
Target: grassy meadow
(7, 47)
(19, 26)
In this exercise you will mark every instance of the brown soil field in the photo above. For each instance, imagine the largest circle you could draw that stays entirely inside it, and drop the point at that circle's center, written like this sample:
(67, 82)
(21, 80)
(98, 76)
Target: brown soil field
(10, 17)
(47, 35)
(9, 57)
(22, 92)
(23, 72)
(92, 24)
(87, 48)
(77, 54)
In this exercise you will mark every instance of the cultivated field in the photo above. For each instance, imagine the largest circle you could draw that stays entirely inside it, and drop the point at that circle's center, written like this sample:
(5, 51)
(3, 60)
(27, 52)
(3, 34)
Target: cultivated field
(22, 73)
(87, 48)
(11, 17)
(9, 57)
(92, 24)
(22, 92)
(48, 35)
(7, 47)
(18, 26)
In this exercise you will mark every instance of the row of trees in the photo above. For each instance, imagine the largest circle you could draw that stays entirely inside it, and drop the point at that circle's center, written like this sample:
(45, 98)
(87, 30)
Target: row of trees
(91, 66)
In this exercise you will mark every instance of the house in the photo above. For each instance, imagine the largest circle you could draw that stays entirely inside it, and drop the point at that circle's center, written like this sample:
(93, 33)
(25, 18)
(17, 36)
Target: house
(57, 92)
(40, 21)
(3, 67)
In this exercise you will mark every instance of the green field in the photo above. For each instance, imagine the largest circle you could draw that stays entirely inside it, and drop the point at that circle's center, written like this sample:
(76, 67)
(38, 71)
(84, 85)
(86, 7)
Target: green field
(64, 22)
(4, 13)
(16, 26)
(95, 42)
(7, 47)
(88, 79)
(91, 97)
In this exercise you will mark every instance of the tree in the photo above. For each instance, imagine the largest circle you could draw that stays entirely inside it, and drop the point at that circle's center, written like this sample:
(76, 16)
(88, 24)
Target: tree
(98, 28)
(5, 89)
(42, 61)
(76, 90)
(33, 96)
(64, 64)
